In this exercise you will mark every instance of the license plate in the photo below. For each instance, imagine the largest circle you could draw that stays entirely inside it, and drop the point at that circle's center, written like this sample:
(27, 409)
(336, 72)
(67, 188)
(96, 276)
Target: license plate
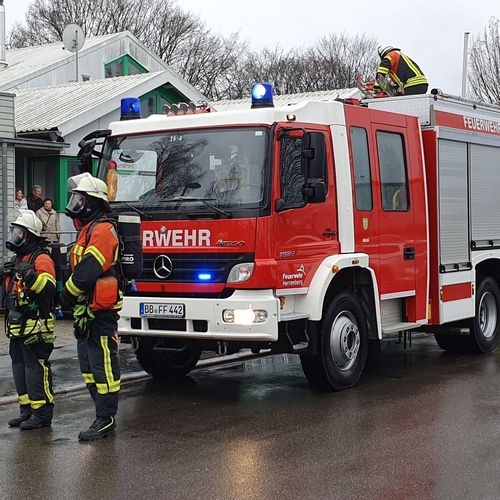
(161, 310)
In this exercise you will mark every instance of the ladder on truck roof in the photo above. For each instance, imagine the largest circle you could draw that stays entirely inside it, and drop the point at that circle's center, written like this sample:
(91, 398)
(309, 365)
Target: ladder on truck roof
(369, 92)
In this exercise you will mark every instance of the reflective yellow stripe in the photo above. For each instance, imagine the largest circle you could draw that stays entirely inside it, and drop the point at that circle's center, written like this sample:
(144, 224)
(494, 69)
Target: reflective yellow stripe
(46, 386)
(102, 388)
(113, 385)
(35, 405)
(41, 282)
(72, 288)
(88, 378)
(78, 249)
(396, 79)
(416, 80)
(23, 399)
(95, 252)
(411, 65)
(383, 70)
(109, 425)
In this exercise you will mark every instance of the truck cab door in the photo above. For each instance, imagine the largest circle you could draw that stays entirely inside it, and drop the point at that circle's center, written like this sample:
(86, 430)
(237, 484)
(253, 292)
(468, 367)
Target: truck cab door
(305, 229)
(396, 217)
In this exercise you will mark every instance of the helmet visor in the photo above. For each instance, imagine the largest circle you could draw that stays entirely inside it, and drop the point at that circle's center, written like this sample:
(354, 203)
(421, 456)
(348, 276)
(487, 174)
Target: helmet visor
(18, 237)
(76, 203)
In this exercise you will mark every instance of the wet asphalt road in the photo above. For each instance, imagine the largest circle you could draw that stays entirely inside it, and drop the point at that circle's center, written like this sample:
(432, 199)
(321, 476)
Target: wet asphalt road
(422, 424)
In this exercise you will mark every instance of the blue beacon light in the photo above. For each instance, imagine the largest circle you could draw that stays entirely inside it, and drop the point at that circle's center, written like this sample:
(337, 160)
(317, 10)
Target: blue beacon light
(204, 276)
(262, 95)
(130, 108)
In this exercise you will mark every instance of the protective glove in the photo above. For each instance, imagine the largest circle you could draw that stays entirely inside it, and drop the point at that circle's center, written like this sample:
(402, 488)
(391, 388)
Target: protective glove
(82, 316)
(48, 338)
(32, 340)
(377, 87)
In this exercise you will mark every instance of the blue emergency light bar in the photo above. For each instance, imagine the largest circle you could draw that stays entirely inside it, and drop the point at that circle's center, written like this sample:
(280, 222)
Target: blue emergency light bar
(262, 95)
(130, 108)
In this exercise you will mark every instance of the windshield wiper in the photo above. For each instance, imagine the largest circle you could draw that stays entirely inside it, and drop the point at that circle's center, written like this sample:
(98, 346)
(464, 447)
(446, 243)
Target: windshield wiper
(205, 202)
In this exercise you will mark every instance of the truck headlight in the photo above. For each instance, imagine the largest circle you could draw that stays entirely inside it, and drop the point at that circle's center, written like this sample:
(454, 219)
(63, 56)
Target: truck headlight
(241, 272)
(244, 316)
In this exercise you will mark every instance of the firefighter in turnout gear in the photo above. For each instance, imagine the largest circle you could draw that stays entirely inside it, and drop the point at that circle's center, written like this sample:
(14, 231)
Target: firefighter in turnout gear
(30, 284)
(403, 71)
(93, 291)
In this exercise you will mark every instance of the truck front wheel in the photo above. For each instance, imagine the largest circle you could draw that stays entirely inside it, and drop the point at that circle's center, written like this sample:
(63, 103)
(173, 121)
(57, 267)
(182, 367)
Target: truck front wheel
(342, 346)
(166, 358)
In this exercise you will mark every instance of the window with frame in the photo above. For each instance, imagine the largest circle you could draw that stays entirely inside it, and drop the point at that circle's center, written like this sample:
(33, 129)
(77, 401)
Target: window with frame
(292, 178)
(114, 69)
(393, 171)
(362, 173)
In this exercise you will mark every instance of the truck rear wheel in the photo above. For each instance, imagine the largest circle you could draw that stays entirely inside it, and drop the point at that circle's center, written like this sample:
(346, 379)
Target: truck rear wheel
(342, 346)
(484, 327)
(166, 358)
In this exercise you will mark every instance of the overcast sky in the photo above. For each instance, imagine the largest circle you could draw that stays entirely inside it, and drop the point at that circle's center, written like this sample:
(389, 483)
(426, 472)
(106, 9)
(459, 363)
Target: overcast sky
(429, 32)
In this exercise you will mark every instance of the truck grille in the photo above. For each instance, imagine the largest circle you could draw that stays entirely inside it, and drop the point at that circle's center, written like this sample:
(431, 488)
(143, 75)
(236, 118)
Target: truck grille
(186, 267)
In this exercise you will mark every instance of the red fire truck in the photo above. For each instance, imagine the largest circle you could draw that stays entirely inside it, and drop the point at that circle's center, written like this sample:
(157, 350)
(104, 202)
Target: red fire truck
(317, 228)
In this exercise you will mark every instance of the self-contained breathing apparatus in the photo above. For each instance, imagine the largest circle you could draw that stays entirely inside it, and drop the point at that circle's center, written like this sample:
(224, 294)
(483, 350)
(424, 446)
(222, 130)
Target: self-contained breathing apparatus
(89, 204)
(29, 310)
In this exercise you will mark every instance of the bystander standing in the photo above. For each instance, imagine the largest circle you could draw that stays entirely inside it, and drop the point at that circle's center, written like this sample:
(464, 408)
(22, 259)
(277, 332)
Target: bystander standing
(50, 220)
(35, 201)
(20, 201)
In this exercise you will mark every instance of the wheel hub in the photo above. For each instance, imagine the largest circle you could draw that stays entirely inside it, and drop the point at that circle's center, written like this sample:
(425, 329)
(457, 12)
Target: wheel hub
(488, 315)
(345, 340)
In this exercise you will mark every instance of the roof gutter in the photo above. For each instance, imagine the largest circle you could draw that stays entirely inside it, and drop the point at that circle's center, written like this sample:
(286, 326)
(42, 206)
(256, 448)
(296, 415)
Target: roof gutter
(36, 143)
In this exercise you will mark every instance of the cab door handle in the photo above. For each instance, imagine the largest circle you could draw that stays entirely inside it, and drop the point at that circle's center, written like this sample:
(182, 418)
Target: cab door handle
(409, 253)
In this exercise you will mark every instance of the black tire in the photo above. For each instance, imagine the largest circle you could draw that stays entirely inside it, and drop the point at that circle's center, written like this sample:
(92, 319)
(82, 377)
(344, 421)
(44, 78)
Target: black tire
(484, 327)
(342, 346)
(453, 343)
(166, 364)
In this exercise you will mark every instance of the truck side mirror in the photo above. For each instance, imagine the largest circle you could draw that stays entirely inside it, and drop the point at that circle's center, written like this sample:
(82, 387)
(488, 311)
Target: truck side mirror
(314, 158)
(86, 148)
(314, 154)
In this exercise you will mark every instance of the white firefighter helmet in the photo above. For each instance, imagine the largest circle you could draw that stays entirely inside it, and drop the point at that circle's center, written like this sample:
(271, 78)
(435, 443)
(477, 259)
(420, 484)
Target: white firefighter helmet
(85, 183)
(30, 221)
(383, 50)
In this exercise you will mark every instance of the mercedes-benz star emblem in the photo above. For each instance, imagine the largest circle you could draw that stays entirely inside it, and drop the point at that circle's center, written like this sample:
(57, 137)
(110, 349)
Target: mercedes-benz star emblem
(162, 267)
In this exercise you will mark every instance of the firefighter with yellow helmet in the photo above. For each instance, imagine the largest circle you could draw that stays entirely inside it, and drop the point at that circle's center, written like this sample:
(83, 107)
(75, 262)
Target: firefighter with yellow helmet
(402, 70)
(30, 284)
(93, 291)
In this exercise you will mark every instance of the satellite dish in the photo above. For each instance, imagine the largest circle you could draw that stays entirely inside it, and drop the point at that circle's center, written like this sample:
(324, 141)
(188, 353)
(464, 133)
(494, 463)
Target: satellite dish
(73, 37)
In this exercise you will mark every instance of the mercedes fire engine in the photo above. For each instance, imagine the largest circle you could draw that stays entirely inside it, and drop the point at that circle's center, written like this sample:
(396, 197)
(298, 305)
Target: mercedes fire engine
(316, 228)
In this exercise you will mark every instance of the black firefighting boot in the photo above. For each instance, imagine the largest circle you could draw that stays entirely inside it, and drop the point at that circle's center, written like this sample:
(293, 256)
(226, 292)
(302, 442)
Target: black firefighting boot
(34, 422)
(101, 428)
(25, 414)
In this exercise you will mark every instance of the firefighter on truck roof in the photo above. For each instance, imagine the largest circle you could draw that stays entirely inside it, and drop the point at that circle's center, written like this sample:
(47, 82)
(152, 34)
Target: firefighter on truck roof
(403, 71)
(30, 284)
(94, 293)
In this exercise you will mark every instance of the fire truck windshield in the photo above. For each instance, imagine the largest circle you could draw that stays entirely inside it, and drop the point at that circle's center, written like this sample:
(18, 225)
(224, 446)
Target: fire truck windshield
(225, 166)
